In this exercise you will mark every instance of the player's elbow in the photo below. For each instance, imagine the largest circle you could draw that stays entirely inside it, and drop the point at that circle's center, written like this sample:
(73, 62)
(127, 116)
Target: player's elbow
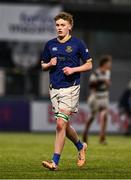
(89, 65)
(44, 67)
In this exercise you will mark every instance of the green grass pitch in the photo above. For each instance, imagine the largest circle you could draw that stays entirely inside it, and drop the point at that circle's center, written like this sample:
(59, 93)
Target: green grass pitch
(21, 155)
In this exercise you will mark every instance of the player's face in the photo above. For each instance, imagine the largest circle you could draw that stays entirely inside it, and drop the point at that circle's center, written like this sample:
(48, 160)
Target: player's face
(63, 28)
(108, 65)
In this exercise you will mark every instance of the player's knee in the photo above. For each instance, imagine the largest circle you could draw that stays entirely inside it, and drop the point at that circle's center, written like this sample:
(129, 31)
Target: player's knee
(60, 124)
(59, 127)
(62, 121)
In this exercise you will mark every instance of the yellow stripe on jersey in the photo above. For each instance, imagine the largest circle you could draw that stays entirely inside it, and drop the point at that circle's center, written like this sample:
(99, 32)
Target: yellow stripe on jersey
(66, 38)
(89, 60)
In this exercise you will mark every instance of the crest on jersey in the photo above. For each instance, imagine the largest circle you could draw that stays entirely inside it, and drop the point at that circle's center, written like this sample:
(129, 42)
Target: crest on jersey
(68, 49)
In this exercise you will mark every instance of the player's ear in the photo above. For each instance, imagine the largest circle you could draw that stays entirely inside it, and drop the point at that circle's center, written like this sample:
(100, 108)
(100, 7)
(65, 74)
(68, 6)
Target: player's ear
(70, 27)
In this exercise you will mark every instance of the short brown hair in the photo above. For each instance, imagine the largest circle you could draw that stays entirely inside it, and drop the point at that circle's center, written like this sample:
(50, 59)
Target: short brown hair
(105, 59)
(65, 16)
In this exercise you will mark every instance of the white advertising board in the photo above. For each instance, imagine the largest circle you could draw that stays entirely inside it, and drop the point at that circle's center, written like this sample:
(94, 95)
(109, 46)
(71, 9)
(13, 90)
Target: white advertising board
(42, 118)
(27, 22)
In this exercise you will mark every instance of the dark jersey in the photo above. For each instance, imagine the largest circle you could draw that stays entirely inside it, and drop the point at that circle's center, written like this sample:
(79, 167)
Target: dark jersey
(68, 54)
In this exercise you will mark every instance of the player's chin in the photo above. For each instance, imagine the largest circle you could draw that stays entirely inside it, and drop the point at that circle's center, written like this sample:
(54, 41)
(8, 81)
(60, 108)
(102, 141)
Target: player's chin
(61, 35)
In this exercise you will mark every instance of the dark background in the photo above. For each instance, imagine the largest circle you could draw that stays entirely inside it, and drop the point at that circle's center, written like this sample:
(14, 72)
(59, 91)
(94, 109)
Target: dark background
(106, 28)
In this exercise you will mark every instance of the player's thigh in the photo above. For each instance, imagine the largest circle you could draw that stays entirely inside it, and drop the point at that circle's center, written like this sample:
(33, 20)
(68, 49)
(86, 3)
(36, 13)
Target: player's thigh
(54, 99)
(92, 104)
(69, 98)
(103, 103)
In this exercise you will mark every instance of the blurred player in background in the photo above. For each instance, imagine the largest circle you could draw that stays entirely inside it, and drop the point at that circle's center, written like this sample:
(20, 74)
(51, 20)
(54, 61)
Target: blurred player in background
(61, 56)
(125, 106)
(98, 100)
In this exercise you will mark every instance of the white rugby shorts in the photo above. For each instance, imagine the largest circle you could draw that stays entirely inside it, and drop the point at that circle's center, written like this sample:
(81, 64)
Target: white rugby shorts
(65, 98)
(96, 102)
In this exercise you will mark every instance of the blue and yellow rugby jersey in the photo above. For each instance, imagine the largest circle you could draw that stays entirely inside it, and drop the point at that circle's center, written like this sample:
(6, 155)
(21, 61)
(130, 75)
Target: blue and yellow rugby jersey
(68, 54)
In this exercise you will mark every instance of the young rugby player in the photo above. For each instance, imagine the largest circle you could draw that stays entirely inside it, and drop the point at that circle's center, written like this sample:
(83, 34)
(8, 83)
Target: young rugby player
(98, 100)
(61, 56)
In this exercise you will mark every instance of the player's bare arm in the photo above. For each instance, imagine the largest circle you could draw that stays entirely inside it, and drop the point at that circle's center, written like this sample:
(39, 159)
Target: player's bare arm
(85, 67)
(47, 66)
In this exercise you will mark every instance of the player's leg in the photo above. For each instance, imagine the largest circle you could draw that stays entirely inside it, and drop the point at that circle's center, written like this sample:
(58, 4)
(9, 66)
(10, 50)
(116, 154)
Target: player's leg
(103, 125)
(93, 109)
(62, 120)
(72, 135)
(60, 135)
(103, 107)
(81, 147)
(62, 115)
(70, 101)
(87, 127)
(53, 164)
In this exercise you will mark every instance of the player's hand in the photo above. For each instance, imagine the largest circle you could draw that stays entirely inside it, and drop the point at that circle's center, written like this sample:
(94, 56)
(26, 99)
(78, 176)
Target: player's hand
(47, 66)
(53, 61)
(68, 71)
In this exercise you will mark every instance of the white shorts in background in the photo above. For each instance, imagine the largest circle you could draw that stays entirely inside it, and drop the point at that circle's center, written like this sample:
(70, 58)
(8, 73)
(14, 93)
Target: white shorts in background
(65, 98)
(96, 102)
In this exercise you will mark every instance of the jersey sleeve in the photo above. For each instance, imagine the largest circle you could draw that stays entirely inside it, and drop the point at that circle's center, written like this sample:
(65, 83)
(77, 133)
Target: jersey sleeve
(84, 53)
(46, 56)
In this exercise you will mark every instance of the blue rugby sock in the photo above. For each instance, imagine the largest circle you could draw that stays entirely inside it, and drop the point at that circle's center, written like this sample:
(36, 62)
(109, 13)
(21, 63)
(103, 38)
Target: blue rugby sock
(79, 145)
(56, 158)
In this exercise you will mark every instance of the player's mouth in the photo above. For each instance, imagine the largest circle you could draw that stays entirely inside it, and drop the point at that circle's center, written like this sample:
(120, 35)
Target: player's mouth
(60, 32)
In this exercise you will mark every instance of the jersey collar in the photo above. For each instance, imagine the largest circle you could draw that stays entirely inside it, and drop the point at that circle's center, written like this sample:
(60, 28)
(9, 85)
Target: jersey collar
(65, 39)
